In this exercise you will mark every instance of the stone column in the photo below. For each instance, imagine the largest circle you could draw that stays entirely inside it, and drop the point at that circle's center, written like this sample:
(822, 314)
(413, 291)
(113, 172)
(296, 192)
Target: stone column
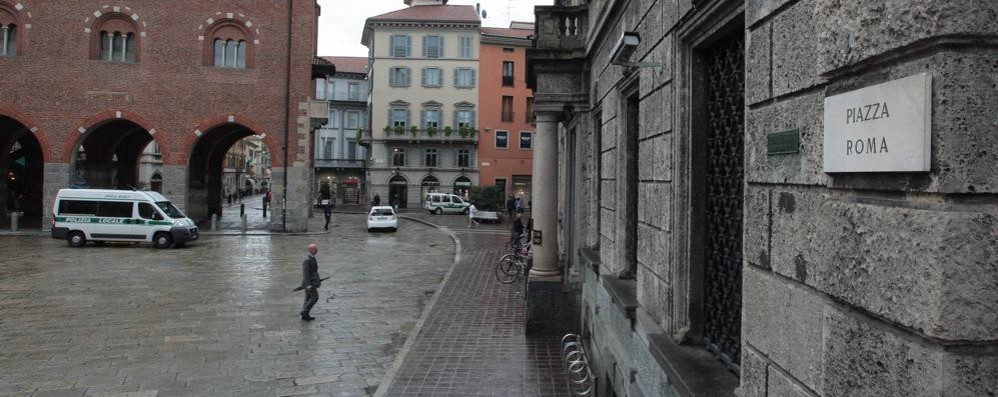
(56, 176)
(544, 195)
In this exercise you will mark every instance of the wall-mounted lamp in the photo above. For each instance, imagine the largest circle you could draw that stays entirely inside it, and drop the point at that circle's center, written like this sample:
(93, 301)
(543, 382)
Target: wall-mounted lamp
(626, 45)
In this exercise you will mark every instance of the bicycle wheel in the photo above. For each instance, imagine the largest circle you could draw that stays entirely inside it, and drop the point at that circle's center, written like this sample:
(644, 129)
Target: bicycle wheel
(507, 270)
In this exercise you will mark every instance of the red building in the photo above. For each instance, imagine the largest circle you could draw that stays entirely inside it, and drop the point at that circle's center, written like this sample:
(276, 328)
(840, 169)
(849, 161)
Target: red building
(505, 148)
(86, 86)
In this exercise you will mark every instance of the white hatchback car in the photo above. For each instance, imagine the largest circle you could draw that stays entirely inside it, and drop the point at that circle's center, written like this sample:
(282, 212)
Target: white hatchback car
(382, 217)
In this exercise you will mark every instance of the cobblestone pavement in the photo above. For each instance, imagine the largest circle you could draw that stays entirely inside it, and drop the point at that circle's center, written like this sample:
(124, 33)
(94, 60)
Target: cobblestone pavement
(215, 318)
(472, 342)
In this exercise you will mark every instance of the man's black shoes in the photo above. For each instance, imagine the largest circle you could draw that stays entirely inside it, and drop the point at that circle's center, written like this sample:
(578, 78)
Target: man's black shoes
(306, 317)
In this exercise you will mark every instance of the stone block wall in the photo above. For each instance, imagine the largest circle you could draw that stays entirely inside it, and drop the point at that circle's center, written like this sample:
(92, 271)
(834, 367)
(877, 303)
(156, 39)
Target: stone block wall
(870, 283)
(852, 284)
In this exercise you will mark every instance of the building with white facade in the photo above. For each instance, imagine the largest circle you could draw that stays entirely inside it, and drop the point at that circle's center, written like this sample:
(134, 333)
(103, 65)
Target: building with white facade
(340, 160)
(424, 100)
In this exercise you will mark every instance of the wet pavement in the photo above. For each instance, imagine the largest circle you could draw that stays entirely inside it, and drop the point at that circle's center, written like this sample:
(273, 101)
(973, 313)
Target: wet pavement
(215, 318)
(472, 342)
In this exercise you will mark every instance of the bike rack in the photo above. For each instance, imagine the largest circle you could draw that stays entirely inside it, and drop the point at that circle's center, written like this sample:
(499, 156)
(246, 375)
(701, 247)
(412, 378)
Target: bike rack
(580, 376)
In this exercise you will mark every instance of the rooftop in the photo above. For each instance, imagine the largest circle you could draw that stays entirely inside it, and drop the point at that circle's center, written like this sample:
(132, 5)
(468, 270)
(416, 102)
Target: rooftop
(430, 13)
(348, 64)
(507, 32)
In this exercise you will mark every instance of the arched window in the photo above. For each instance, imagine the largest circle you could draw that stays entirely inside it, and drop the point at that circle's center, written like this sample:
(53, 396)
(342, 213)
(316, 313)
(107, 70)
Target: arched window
(228, 46)
(115, 40)
(8, 39)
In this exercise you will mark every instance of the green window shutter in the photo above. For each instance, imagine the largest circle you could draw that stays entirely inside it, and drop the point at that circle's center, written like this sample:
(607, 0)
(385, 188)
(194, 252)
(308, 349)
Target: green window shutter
(407, 118)
(424, 46)
(454, 153)
(391, 77)
(441, 53)
(390, 111)
(422, 118)
(408, 46)
(425, 71)
(455, 77)
(472, 121)
(455, 120)
(472, 72)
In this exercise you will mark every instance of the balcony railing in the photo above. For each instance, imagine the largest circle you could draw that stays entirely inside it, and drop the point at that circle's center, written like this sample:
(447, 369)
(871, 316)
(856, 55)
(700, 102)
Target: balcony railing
(338, 163)
(507, 117)
(431, 135)
(507, 81)
(561, 27)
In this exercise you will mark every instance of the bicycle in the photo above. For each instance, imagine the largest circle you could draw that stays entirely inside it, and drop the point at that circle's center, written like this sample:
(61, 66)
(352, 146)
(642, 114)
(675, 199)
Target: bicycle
(512, 246)
(511, 266)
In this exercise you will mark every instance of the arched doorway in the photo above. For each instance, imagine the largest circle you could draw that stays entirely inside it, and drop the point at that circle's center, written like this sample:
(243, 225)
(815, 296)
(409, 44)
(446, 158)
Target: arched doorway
(462, 186)
(156, 183)
(398, 191)
(222, 165)
(108, 156)
(21, 171)
(430, 184)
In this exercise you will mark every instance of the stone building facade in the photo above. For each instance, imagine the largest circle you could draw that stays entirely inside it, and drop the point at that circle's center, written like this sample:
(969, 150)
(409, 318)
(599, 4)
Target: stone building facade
(340, 160)
(89, 85)
(700, 238)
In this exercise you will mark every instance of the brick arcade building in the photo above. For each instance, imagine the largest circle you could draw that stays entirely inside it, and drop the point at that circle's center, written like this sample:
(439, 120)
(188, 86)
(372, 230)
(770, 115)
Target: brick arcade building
(85, 87)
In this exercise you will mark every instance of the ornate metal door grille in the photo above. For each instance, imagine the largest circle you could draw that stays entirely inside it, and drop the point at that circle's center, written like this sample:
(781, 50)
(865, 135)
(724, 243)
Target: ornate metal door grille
(725, 105)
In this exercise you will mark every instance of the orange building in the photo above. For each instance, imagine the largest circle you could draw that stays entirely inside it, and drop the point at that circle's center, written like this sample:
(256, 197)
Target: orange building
(506, 116)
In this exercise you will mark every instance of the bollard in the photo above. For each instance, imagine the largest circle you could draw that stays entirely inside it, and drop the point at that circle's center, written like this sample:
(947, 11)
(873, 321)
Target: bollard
(13, 220)
(242, 209)
(214, 221)
(242, 222)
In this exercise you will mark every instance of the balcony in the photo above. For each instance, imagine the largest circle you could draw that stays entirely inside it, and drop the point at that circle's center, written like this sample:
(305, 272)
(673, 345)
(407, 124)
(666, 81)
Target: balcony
(561, 27)
(556, 63)
(430, 135)
(318, 113)
(507, 117)
(339, 163)
(507, 81)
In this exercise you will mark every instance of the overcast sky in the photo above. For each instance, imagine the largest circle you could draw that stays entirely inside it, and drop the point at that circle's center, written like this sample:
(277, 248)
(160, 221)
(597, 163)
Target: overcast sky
(342, 21)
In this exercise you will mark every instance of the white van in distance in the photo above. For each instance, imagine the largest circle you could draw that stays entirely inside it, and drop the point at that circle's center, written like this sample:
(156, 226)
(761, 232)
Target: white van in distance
(439, 203)
(119, 215)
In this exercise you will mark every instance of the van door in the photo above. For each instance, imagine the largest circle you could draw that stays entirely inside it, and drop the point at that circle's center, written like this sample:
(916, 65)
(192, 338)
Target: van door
(458, 204)
(150, 220)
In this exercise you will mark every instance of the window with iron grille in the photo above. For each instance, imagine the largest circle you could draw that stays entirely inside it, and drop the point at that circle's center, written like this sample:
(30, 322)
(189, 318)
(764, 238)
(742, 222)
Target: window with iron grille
(502, 139)
(526, 140)
(507, 109)
(8, 39)
(430, 157)
(398, 157)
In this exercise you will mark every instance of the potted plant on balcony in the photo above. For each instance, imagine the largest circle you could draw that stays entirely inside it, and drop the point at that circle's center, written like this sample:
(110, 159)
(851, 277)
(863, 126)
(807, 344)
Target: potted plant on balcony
(360, 134)
(472, 132)
(399, 130)
(463, 131)
(414, 130)
(431, 130)
(388, 129)
(448, 131)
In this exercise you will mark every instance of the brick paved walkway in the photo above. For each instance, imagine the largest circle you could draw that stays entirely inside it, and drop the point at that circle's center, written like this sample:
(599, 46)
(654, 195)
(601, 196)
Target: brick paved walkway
(473, 342)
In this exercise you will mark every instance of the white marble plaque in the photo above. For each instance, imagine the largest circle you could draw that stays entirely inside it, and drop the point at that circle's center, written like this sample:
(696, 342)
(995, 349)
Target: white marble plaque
(881, 128)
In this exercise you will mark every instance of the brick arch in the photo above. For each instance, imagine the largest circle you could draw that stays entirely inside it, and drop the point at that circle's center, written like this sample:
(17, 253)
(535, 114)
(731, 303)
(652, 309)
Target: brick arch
(191, 138)
(18, 14)
(80, 130)
(34, 128)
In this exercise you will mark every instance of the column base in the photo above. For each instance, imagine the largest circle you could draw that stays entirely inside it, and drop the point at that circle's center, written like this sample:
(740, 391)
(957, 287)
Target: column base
(545, 273)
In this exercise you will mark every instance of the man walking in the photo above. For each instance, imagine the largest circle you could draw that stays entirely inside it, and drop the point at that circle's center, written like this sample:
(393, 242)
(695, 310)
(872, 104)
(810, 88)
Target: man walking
(510, 206)
(327, 211)
(310, 281)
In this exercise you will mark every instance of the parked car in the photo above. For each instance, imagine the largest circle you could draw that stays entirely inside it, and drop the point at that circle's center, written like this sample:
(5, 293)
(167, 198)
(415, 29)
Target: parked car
(382, 217)
(439, 203)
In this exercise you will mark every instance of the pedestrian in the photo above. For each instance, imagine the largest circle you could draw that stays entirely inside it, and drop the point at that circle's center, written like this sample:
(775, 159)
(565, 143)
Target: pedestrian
(264, 199)
(472, 213)
(377, 200)
(518, 204)
(516, 231)
(327, 211)
(510, 206)
(395, 204)
(310, 281)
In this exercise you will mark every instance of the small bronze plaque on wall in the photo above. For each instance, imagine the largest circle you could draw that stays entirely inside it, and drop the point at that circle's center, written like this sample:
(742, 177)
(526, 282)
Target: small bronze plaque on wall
(786, 142)
(538, 237)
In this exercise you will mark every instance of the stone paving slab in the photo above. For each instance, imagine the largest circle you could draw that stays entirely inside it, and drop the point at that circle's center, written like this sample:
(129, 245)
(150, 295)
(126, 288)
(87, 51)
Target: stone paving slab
(215, 318)
(472, 342)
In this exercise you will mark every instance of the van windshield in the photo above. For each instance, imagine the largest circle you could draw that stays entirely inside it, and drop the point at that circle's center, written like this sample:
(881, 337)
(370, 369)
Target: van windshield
(170, 210)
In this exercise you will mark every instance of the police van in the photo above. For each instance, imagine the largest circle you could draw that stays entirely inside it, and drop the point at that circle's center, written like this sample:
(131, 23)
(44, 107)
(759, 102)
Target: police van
(81, 215)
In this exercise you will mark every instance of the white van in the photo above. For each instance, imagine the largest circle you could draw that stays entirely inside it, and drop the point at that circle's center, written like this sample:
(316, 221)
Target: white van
(439, 203)
(119, 215)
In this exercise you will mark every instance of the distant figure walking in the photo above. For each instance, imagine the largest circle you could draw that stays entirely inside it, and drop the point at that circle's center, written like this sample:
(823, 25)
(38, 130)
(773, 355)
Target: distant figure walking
(377, 200)
(510, 207)
(518, 204)
(310, 281)
(472, 213)
(327, 211)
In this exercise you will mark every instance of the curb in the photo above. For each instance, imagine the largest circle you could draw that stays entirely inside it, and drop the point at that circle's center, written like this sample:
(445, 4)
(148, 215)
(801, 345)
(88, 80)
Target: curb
(411, 340)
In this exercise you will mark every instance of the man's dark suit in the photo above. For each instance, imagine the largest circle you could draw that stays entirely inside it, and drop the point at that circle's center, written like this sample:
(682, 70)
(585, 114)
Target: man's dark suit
(310, 278)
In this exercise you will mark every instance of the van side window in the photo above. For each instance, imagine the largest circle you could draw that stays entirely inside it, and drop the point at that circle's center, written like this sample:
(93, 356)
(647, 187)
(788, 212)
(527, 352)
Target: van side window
(457, 200)
(115, 209)
(445, 199)
(436, 199)
(77, 207)
(147, 211)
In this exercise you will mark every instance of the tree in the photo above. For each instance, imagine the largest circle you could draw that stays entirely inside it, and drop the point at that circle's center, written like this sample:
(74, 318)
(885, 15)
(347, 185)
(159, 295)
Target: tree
(487, 198)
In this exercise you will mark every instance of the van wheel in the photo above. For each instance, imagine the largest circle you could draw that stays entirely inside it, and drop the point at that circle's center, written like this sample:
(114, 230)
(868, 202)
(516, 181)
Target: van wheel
(162, 240)
(438, 211)
(76, 239)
